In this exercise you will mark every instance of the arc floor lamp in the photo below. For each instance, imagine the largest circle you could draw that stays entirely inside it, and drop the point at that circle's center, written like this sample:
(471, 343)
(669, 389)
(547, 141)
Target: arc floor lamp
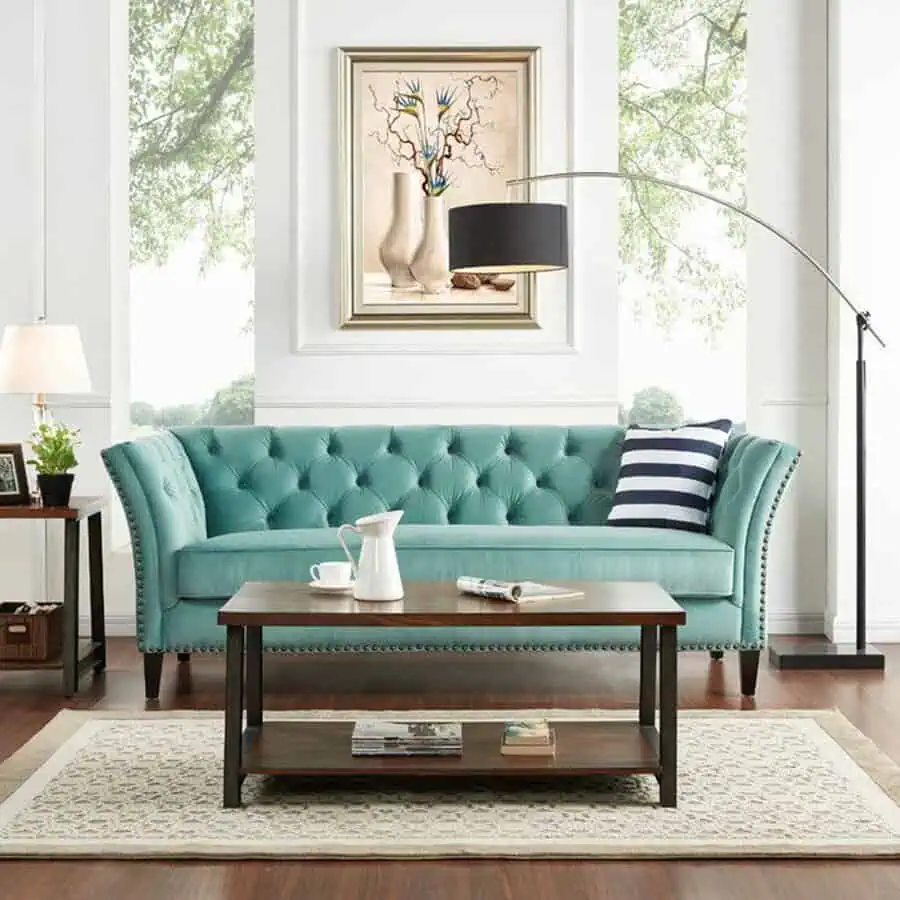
(533, 237)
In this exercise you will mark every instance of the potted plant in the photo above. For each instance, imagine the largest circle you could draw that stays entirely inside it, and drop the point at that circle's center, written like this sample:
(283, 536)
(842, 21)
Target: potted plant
(54, 455)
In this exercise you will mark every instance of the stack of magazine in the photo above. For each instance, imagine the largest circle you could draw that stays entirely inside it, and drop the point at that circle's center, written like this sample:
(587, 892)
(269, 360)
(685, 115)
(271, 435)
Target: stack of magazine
(532, 738)
(373, 737)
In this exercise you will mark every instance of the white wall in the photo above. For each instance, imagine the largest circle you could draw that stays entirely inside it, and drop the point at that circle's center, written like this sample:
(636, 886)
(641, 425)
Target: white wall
(865, 198)
(21, 251)
(310, 371)
(787, 310)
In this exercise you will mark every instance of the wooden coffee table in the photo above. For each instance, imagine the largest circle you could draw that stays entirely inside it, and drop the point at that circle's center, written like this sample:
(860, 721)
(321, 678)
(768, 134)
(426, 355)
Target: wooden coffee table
(323, 748)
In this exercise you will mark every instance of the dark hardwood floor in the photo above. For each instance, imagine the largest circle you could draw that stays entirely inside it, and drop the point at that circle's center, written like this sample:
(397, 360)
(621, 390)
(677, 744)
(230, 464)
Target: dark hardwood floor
(870, 700)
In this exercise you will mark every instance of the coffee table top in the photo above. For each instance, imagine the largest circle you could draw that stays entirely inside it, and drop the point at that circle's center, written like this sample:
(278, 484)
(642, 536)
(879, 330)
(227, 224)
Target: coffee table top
(437, 603)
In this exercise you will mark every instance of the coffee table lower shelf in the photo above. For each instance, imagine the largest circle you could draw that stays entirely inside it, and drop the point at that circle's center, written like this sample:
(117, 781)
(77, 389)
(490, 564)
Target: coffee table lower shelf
(322, 749)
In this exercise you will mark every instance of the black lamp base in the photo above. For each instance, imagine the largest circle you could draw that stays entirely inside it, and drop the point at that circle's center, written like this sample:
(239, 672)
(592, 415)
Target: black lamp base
(821, 654)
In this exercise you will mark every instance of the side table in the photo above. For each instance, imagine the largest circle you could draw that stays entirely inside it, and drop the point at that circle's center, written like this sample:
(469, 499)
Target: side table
(77, 656)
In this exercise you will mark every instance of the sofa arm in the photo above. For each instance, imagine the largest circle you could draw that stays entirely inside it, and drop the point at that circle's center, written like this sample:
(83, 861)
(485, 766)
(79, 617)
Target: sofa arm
(165, 512)
(753, 476)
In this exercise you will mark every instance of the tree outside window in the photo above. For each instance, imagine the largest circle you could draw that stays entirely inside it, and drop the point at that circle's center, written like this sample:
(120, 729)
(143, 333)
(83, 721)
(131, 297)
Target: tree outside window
(682, 116)
(192, 213)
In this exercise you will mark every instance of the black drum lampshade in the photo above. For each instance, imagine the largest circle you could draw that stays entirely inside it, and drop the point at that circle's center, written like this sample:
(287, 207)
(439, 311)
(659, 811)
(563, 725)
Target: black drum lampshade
(508, 237)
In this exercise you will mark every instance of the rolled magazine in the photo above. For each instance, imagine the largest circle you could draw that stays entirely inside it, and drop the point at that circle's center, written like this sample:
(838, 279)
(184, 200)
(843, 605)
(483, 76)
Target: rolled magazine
(514, 591)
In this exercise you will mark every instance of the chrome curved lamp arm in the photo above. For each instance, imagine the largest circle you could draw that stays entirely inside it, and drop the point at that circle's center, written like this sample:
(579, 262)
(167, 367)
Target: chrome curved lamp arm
(861, 316)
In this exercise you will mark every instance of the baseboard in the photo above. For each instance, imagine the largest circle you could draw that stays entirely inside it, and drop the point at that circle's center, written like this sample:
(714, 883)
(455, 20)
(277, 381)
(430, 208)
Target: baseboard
(789, 622)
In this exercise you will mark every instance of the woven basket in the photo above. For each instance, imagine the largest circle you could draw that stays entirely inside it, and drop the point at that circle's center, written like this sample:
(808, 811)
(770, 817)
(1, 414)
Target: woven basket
(35, 637)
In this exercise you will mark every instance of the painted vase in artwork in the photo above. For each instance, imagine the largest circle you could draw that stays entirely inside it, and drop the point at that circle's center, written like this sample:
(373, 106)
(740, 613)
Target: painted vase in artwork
(431, 263)
(402, 238)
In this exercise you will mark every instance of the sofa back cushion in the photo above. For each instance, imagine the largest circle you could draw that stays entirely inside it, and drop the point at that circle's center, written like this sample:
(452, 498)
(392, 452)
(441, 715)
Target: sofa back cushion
(256, 477)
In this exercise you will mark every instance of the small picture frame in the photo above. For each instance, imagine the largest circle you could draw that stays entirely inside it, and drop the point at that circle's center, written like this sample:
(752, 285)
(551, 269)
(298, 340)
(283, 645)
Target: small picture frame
(13, 480)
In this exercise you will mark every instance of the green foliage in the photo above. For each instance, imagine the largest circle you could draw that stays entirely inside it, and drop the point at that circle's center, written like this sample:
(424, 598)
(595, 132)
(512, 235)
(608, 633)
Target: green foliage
(654, 406)
(232, 405)
(682, 116)
(191, 119)
(54, 448)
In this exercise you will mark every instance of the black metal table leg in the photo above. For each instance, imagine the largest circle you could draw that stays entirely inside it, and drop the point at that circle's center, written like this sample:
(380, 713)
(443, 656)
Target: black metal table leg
(648, 675)
(72, 536)
(95, 562)
(254, 676)
(234, 709)
(668, 716)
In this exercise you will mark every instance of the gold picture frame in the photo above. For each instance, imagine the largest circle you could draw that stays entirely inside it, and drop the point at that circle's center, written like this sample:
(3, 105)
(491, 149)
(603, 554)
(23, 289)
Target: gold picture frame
(422, 130)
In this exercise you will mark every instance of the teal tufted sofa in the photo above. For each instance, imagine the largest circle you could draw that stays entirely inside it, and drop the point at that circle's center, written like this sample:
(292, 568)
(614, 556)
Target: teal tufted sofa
(212, 508)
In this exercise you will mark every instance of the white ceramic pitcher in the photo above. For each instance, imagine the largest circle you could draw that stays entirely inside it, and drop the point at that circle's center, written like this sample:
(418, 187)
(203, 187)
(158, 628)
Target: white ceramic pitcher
(377, 575)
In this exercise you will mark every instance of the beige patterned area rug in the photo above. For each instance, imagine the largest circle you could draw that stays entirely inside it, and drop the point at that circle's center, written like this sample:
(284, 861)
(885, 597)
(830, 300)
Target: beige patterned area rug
(761, 784)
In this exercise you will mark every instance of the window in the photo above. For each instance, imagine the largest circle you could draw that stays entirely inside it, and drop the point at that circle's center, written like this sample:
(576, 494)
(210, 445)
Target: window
(682, 116)
(191, 202)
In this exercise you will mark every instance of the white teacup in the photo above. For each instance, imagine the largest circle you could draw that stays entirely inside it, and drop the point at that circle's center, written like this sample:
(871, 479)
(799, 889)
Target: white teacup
(332, 574)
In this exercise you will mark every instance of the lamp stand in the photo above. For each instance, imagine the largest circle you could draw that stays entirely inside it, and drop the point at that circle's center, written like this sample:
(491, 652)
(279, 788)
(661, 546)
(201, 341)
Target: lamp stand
(792, 654)
(39, 411)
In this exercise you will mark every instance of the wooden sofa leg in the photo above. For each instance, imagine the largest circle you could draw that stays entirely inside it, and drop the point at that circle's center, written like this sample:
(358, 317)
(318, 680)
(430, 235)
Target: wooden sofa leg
(184, 657)
(749, 671)
(716, 655)
(153, 663)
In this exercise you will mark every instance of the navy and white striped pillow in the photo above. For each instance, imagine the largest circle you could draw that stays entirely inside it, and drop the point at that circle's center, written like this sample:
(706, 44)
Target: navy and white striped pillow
(668, 476)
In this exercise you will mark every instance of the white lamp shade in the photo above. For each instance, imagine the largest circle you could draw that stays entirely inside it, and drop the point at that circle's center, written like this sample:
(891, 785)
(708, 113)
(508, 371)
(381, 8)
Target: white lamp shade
(43, 359)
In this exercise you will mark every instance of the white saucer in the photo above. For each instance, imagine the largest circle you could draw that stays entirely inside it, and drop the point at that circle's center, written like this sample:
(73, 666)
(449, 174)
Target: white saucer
(331, 588)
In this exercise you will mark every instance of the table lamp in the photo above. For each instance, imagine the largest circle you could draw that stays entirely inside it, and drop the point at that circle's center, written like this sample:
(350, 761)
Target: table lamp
(43, 359)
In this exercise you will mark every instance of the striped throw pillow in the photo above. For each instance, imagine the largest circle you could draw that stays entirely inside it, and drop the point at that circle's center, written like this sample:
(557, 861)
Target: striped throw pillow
(668, 476)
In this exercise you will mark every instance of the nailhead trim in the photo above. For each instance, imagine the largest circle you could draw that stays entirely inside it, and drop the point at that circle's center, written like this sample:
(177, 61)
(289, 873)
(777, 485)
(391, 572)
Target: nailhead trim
(764, 552)
(136, 550)
(422, 648)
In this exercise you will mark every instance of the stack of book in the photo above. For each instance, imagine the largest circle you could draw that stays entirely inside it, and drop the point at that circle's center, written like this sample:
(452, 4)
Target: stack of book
(372, 737)
(533, 738)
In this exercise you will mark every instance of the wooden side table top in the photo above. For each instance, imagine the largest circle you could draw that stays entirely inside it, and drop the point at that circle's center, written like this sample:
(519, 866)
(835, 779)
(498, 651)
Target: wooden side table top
(78, 508)
(440, 603)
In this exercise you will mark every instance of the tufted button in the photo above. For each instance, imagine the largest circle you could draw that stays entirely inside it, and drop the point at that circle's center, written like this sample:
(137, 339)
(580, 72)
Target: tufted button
(481, 481)
(362, 479)
(542, 482)
(508, 450)
(423, 480)
(214, 448)
(571, 448)
(274, 450)
(453, 447)
(393, 446)
(303, 482)
(333, 519)
(451, 515)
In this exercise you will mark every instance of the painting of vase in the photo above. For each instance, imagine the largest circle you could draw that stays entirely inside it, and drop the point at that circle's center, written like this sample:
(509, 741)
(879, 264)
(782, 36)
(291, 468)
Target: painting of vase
(423, 131)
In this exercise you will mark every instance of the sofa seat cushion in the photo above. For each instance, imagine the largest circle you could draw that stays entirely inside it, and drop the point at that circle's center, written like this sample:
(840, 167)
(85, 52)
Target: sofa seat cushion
(685, 564)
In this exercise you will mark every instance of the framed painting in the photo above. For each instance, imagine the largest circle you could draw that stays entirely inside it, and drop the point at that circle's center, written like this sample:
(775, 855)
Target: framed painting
(423, 130)
(13, 480)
